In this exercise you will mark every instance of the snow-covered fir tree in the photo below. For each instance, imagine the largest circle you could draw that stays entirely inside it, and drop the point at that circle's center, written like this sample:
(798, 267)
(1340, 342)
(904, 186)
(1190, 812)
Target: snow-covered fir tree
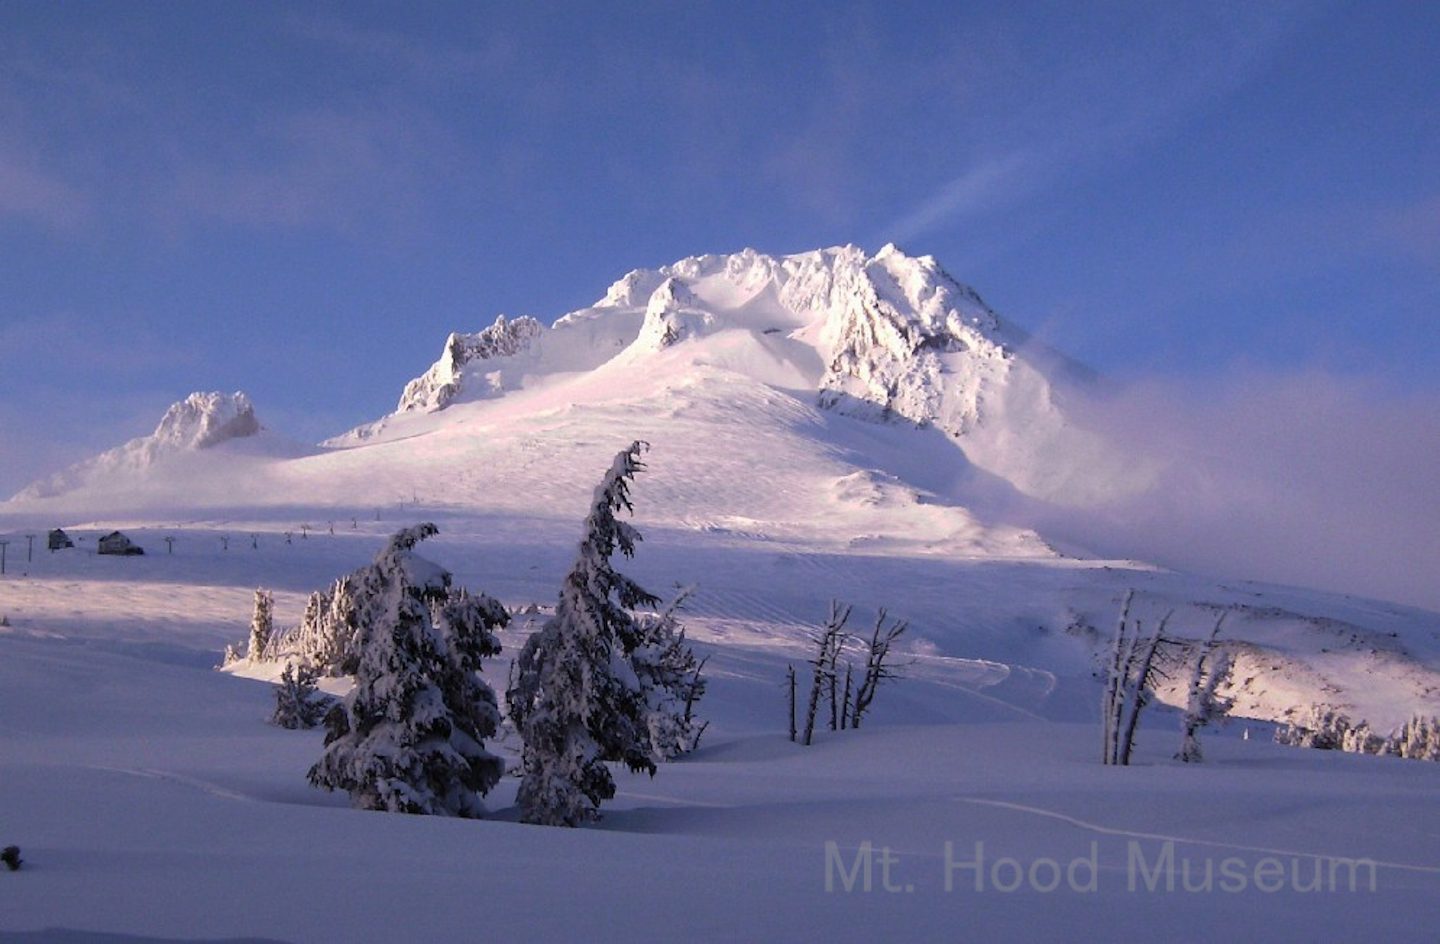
(262, 625)
(325, 638)
(577, 698)
(1321, 728)
(1419, 739)
(671, 682)
(298, 702)
(410, 735)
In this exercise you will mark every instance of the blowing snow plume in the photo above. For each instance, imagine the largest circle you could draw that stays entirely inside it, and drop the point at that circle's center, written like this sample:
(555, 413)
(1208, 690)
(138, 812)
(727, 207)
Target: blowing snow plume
(1307, 478)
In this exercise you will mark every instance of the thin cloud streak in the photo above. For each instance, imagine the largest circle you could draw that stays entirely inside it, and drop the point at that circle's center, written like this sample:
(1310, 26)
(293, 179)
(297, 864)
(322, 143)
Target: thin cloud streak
(29, 194)
(989, 185)
(1109, 113)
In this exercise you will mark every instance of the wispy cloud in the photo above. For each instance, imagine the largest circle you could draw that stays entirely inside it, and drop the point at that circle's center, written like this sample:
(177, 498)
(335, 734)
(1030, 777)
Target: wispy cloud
(33, 195)
(991, 184)
(331, 168)
(478, 57)
(91, 141)
(30, 346)
(1099, 109)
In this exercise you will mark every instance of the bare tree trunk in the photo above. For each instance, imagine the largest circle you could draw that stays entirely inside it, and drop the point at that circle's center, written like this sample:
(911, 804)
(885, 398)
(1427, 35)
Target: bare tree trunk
(1195, 714)
(1139, 694)
(876, 668)
(845, 702)
(814, 702)
(834, 690)
(695, 689)
(1109, 707)
(828, 643)
(790, 671)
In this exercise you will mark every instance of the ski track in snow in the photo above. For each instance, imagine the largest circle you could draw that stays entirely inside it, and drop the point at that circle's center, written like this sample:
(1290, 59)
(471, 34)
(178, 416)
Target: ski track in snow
(1188, 840)
(204, 786)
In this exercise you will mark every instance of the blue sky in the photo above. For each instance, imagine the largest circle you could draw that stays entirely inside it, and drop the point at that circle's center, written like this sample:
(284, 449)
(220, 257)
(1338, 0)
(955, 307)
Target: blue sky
(302, 200)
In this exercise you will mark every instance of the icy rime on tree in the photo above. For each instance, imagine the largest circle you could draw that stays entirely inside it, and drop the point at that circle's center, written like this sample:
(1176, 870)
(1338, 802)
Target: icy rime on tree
(1129, 684)
(1203, 703)
(596, 684)
(409, 737)
(262, 625)
(298, 702)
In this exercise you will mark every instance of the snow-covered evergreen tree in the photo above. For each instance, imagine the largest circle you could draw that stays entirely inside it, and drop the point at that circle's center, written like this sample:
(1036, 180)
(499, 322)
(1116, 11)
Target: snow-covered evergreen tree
(325, 638)
(262, 625)
(1419, 739)
(671, 682)
(1320, 728)
(298, 703)
(576, 698)
(304, 641)
(410, 736)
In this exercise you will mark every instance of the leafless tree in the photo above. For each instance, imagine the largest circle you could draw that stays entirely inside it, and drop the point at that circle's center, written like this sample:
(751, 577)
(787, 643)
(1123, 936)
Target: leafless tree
(828, 642)
(878, 668)
(1129, 687)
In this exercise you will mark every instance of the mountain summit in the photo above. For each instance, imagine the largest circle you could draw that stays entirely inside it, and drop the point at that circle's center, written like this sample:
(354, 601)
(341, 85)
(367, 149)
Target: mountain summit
(884, 337)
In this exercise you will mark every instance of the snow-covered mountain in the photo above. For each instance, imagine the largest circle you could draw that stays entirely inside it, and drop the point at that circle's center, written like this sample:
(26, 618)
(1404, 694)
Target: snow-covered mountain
(825, 424)
(884, 337)
(201, 421)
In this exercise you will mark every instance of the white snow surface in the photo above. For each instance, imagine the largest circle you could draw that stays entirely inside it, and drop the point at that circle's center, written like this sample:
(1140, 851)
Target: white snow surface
(824, 425)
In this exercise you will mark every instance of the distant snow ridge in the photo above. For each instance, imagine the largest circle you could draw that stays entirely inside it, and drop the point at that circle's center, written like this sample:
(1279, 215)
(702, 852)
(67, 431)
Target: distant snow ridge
(434, 389)
(200, 421)
(203, 420)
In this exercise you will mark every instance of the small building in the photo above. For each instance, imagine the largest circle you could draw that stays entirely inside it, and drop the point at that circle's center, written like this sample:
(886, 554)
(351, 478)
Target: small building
(117, 543)
(59, 540)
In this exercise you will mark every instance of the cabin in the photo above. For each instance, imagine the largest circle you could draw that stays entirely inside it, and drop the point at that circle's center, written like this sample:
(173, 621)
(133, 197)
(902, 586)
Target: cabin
(117, 543)
(59, 540)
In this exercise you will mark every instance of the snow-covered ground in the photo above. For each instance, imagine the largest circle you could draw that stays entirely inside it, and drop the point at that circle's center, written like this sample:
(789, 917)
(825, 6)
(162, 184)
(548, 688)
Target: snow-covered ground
(150, 797)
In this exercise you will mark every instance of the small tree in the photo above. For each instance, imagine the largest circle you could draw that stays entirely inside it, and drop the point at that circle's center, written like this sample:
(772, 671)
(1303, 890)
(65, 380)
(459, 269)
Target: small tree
(262, 625)
(671, 682)
(1130, 683)
(877, 666)
(1320, 728)
(298, 702)
(326, 636)
(828, 642)
(1419, 739)
(410, 735)
(577, 700)
(1203, 704)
